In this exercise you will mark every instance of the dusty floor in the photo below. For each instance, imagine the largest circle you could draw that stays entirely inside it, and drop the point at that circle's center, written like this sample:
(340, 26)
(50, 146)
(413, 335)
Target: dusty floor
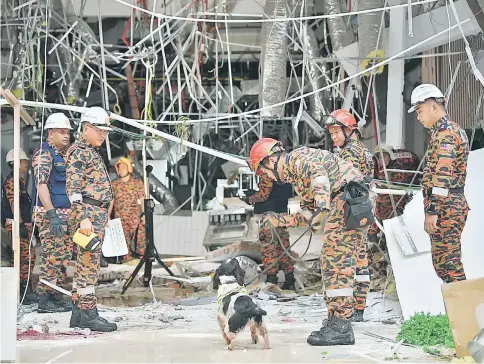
(186, 331)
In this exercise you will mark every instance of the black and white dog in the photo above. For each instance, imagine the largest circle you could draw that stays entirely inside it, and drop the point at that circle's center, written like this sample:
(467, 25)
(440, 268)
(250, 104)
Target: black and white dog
(236, 308)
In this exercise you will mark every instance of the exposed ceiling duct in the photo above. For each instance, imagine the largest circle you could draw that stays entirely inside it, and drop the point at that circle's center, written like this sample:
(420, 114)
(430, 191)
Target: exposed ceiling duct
(370, 39)
(274, 59)
(315, 76)
(339, 29)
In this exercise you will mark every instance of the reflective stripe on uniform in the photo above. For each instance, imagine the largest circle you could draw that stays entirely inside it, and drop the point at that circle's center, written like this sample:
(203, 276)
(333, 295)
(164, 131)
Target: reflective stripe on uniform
(339, 292)
(362, 278)
(75, 197)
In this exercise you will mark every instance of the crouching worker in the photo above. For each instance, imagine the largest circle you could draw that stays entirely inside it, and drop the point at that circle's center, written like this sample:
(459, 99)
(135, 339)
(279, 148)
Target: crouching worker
(275, 244)
(333, 191)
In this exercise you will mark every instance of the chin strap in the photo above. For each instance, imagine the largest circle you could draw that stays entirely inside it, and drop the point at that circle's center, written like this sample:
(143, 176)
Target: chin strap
(276, 174)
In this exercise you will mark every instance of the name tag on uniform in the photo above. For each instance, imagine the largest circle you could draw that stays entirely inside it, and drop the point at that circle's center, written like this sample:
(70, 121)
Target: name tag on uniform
(439, 191)
(399, 155)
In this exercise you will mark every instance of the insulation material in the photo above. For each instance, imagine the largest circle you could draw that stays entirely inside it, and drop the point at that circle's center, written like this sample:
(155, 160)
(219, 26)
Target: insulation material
(71, 83)
(20, 58)
(340, 32)
(370, 41)
(418, 287)
(274, 59)
(316, 78)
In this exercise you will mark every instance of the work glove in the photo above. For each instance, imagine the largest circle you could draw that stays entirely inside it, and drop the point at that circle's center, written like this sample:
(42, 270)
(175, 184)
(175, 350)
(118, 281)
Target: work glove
(24, 232)
(55, 223)
(273, 220)
(318, 219)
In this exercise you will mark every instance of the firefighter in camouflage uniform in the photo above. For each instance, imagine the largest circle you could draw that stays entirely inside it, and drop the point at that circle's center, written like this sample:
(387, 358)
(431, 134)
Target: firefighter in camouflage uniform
(394, 159)
(51, 211)
(443, 181)
(275, 254)
(344, 132)
(90, 193)
(320, 179)
(27, 256)
(129, 195)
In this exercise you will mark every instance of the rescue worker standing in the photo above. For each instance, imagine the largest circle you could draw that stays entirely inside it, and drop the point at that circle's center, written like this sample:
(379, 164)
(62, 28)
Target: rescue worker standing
(342, 127)
(129, 195)
(27, 256)
(443, 181)
(322, 180)
(274, 197)
(51, 211)
(90, 193)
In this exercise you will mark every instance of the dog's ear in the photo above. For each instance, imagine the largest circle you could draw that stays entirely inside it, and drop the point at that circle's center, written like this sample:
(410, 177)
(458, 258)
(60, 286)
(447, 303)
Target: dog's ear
(239, 275)
(216, 280)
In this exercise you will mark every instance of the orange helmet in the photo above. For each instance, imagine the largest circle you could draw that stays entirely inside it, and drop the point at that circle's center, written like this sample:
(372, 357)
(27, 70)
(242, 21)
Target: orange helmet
(261, 149)
(340, 118)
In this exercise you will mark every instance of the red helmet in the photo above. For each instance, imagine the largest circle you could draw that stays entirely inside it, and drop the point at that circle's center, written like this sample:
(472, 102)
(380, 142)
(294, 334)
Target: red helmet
(261, 149)
(340, 118)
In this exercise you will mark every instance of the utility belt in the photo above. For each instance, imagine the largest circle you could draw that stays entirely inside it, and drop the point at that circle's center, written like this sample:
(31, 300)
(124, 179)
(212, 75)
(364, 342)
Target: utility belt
(91, 201)
(358, 209)
(428, 192)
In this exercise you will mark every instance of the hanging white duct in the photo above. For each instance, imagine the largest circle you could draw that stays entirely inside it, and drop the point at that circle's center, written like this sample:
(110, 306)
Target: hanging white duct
(370, 42)
(339, 30)
(274, 59)
(315, 77)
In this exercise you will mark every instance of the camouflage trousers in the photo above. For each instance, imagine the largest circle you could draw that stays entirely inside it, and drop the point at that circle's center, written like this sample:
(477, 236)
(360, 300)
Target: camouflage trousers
(129, 228)
(55, 252)
(27, 260)
(341, 250)
(446, 242)
(88, 262)
(272, 250)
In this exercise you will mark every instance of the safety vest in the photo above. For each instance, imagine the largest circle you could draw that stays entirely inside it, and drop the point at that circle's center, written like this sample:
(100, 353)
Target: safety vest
(56, 183)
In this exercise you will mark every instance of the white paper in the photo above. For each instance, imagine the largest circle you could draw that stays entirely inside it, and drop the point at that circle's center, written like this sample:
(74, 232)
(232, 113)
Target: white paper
(114, 244)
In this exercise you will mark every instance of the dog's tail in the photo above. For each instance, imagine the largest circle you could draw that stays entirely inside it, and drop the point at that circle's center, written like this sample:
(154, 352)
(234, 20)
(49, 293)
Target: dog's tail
(248, 308)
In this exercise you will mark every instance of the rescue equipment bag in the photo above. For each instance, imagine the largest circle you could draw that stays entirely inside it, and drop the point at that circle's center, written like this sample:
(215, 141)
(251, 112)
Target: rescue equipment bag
(358, 207)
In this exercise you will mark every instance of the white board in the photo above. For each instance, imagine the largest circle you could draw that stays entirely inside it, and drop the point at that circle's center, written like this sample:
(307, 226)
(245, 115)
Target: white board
(418, 287)
(8, 313)
(114, 244)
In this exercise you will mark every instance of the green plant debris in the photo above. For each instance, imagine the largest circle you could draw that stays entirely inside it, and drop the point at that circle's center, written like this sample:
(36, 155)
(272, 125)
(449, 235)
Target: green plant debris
(427, 331)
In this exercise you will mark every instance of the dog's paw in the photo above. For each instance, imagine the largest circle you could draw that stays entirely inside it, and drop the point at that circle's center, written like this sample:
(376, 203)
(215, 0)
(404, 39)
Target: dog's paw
(230, 347)
(267, 347)
(255, 339)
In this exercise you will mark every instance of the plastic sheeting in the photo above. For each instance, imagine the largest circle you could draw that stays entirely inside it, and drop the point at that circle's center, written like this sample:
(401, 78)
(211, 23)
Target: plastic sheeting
(274, 59)
(316, 78)
(370, 41)
(340, 32)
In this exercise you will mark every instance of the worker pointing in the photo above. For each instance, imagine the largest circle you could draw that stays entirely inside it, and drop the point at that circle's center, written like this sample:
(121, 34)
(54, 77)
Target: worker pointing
(90, 193)
(344, 132)
(443, 181)
(326, 184)
(51, 210)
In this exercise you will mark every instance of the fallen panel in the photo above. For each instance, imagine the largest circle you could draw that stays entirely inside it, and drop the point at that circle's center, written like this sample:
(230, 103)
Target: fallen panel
(248, 249)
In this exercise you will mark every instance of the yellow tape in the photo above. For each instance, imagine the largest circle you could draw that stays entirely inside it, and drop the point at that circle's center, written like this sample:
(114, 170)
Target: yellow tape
(375, 56)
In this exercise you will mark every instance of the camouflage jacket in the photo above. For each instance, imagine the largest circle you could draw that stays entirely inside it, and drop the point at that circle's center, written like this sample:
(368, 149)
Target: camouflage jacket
(316, 175)
(86, 176)
(265, 188)
(445, 164)
(42, 163)
(359, 155)
(128, 198)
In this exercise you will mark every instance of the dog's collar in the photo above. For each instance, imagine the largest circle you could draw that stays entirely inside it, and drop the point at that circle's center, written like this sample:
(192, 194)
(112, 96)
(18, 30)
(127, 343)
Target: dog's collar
(226, 289)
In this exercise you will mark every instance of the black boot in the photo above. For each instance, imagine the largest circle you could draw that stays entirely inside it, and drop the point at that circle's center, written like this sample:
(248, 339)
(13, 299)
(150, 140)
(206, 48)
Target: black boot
(30, 296)
(104, 263)
(59, 301)
(337, 331)
(90, 319)
(289, 284)
(357, 316)
(76, 316)
(46, 305)
(272, 279)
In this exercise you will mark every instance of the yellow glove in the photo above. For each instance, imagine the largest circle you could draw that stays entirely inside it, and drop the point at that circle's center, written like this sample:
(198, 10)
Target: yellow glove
(318, 219)
(274, 220)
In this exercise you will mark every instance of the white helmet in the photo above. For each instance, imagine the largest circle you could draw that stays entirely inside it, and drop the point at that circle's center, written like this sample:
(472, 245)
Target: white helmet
(424, 92)
(96, 116)
(10, 156)
(57, 120)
